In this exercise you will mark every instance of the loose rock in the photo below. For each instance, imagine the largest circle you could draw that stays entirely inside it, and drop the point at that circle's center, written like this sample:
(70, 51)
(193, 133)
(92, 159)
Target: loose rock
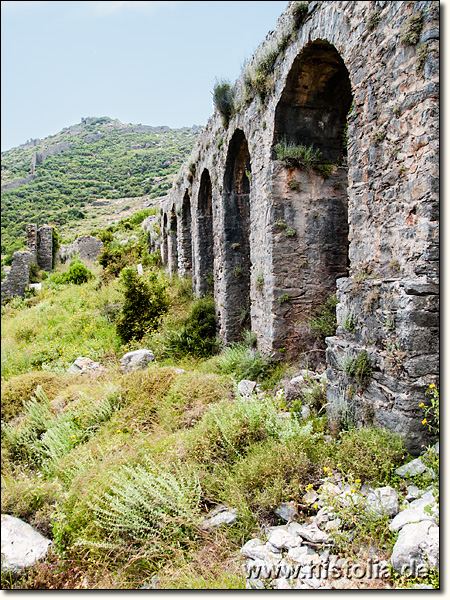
(22, 546)
(138, 359)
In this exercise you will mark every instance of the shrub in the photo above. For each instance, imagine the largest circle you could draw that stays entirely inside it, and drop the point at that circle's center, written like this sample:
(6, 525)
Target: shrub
(412, 29)
(223, 99)
(362, 369)
(148, 504)
(369, 453)
(77, 274)
(272, 472)
(189, 397)
(23, 495)
(229, 430)
(324, 323)
(305, 157)
(242, 362)
(34, 273)
(145, 302)
(299, 12)
(197, 335)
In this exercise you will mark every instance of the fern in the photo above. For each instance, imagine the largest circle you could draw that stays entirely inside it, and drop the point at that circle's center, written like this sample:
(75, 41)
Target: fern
(148, 501)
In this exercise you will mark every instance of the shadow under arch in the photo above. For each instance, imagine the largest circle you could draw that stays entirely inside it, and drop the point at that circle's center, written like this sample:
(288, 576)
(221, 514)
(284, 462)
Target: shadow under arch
(205, 275)
(236, 239)
(310, 217)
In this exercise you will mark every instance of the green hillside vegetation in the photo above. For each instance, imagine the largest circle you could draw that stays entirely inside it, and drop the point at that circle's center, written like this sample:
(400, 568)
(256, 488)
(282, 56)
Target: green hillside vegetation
(119, 470)
(99, 158)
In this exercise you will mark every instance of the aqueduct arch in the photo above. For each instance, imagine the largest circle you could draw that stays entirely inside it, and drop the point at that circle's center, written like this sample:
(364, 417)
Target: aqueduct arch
(367, 228)
(185, 237)
(311, 204)
(204, 271)
(236, 238)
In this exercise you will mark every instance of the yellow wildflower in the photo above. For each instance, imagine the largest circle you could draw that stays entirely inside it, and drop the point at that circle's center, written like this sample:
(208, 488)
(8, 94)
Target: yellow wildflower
(326, 469)
(424, 422)
(432, 385)
(421, 405)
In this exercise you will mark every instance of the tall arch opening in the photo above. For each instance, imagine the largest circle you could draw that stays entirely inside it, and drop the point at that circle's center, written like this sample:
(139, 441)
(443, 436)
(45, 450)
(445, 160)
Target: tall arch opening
(236, 239)
(172, 243)
(164, 258)
(205, 280)
(310, 223)
(185, 245)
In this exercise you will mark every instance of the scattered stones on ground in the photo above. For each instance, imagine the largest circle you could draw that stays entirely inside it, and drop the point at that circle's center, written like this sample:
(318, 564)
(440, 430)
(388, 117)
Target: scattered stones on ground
(84, 365)
(222, 515)
(138, 359)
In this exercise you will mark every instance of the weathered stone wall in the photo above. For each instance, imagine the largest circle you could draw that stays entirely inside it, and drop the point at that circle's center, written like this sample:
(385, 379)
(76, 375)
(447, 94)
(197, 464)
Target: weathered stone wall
(16, 281)
(44, 248)
(358, 81)
(87, 247)
(39, 251)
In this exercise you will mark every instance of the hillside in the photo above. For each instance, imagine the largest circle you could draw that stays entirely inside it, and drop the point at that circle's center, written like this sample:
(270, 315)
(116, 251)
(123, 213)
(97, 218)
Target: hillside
(57, 179)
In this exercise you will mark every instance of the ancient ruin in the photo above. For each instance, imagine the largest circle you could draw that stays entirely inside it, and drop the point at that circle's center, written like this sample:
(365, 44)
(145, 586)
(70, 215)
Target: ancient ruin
(322, 180)
(39, 251)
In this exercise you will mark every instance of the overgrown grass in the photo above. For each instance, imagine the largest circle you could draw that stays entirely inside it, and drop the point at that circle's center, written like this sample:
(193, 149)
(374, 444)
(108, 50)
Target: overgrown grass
(120, 469)
(64, 324)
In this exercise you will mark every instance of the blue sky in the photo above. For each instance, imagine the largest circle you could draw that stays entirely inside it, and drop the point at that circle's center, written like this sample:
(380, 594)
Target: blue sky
(153, 63)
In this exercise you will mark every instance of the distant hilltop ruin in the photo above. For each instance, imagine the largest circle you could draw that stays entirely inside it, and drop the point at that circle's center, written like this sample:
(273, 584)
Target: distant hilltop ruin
(318, 175)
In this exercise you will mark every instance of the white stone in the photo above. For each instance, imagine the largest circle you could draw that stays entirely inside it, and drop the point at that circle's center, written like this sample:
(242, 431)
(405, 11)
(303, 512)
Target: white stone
(413, 468)
(246, 387)
(138, 359)
(312, 533)
(220, 516)
(283, 540)
(287, 511)
(300, 554)
(256, 550)
(282, 584)
(418, 542)
(383, 501)
(413, 492)
(310, 497)
(21, 546)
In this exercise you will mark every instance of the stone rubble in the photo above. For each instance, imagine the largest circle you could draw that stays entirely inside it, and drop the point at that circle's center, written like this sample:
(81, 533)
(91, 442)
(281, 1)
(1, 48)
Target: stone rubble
(298, 555)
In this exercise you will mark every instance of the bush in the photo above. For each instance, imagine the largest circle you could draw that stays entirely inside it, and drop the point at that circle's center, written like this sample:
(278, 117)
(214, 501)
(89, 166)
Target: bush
(145, 302)
(243, 362)
(369, 453)
(77, 274)
(271, 473)
(324, 323)
(148, 504)
(197, 335)
(228, 430)
(223, 100)
(189, 398)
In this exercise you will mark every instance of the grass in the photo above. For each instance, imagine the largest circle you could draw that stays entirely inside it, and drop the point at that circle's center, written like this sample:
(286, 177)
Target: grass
(305, 157)
(120, 469)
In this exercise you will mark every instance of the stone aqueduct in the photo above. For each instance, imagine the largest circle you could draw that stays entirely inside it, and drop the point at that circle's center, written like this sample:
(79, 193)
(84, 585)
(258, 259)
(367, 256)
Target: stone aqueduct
(359, 81)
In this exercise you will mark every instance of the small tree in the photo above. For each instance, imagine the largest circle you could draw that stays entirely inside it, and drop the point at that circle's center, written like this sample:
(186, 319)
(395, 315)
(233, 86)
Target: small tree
(146, 300)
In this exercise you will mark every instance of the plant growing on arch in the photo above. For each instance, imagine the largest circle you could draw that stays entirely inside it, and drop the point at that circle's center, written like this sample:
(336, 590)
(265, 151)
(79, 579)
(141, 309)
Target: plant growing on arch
(146, 301)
